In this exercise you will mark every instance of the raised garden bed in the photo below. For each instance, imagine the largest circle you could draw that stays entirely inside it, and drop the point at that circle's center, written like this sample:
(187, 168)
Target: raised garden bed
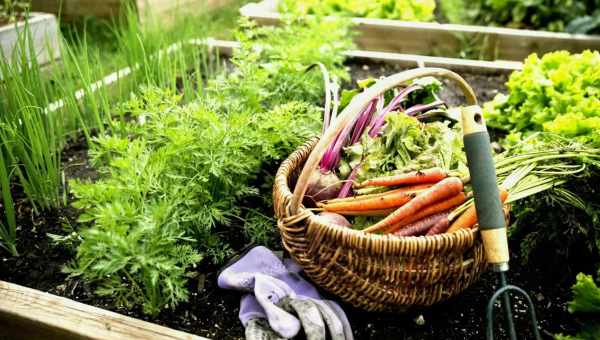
(425, 38)
(212, 312)
(44, 38)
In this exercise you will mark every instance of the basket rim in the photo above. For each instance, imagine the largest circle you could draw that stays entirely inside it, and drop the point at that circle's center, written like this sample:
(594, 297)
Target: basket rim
(357, 239)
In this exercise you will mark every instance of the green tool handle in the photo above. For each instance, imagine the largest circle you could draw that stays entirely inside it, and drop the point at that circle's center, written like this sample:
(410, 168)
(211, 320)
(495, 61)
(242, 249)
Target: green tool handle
(490, 215)
(483, 180)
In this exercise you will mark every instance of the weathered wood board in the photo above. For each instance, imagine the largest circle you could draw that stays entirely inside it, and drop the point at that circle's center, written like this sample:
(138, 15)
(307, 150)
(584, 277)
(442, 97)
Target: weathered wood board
(27, 313)
(225, 48)
(423, 38)
(70, 9)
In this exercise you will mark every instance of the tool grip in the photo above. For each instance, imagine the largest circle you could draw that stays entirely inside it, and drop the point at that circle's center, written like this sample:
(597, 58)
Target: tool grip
(483, 179)
(490, 216)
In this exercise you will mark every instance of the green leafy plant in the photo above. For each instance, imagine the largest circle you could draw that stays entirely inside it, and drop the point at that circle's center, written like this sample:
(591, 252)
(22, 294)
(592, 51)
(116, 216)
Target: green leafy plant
(13, 10)
(557, 93)
(174, 176)
(586, 301)
(409, 10)
(552, 15)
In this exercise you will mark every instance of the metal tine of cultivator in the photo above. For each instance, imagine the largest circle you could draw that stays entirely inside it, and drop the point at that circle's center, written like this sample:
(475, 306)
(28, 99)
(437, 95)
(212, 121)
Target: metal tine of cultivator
(504, 293)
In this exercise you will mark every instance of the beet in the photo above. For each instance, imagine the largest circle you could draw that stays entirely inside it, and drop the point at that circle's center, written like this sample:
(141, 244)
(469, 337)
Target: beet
(323, 186)
(334, 218)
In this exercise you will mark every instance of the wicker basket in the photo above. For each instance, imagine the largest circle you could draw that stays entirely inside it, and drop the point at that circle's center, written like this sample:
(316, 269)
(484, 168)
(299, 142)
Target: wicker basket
(373, 272)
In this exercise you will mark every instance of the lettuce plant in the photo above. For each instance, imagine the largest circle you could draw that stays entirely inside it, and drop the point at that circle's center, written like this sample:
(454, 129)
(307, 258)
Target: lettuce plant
(586, 301)
(558, 93)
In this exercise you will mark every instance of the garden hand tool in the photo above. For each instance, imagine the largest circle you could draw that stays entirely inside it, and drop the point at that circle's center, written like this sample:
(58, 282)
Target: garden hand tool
(281, 292)
(490, 216)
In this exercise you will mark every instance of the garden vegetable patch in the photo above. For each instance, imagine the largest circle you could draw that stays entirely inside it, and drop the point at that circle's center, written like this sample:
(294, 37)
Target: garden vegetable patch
(170, 189)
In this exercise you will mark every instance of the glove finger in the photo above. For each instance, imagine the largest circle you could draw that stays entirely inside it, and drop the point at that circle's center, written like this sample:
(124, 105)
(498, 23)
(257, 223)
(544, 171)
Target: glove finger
(336, 328)
(343, 318)
(269, 291)
(309, 315)
(250, 309)
(258, 329)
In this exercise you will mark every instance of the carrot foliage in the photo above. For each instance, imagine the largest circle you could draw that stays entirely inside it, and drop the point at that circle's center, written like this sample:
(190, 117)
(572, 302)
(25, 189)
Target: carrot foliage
(180, 176)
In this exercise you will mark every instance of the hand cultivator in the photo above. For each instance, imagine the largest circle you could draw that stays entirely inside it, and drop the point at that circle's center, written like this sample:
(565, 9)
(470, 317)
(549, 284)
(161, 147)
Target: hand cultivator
(491, 218)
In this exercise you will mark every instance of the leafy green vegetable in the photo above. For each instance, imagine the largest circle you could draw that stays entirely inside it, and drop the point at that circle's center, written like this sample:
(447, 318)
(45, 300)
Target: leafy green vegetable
(174, 178)
(550, 15)
(586, 300)
(586, 297)
(409, 10)
(406, 144)
(558, 93)
(589, 332)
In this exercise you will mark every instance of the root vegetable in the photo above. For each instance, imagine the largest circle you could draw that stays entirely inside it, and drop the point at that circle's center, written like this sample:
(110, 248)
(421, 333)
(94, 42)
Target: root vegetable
(323, 186)
(468, 218)
(447, 187)
(439, 227)
(421, 226)
(333, 218)
(416, 177)
(391, 200)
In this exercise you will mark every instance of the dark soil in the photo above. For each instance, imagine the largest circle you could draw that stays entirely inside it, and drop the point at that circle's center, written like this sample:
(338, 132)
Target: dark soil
(485, 86)
(212, 312)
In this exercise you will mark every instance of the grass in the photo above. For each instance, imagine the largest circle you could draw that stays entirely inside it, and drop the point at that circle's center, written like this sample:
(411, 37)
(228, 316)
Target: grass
(42, 106)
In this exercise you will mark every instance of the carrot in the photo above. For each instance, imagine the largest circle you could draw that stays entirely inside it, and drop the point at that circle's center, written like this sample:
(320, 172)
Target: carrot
(439, 227)
(411, 189)
(447, 187)
(380, 212)
(438, 207)
(416, 177)
(469, 217)
(392, 200)
(421, 226)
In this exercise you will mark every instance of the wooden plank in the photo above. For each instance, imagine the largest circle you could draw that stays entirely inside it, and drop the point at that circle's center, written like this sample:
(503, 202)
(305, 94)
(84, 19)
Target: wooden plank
(445, 39)
(455, 64)
(167, 10)
(406, 60)
(70, 9)
(27, 313)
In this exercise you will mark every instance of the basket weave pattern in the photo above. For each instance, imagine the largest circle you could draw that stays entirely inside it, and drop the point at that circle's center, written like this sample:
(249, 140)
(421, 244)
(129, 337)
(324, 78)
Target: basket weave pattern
(374, 272)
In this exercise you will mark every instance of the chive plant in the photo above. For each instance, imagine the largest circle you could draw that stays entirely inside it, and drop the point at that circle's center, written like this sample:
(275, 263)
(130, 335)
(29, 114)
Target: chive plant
(42, 106)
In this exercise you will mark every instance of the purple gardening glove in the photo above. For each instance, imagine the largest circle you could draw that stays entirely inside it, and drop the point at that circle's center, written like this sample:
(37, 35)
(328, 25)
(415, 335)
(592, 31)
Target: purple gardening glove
(280, 291)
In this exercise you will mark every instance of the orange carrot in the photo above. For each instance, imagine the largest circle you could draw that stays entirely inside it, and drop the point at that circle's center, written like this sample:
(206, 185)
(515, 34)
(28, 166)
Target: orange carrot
(469, 217)
(422, 226)
(392, 200)
(438, 207)
(416, 177)
(447, 187)
(439, 227)
(380, 212)
(411, 189)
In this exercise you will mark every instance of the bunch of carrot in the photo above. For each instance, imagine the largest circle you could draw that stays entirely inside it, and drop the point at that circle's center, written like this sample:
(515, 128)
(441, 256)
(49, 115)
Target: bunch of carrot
(426, 202)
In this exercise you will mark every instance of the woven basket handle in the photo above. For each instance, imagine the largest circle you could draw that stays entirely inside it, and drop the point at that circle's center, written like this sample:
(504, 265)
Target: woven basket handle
(357, 104)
